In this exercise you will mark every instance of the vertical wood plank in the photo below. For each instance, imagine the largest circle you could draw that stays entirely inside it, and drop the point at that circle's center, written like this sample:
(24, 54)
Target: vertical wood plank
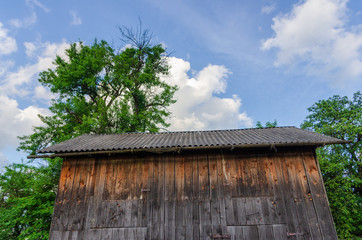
(195, 198)
(287, 190)
(188, 197)
(58, 208)
(157, 196)
(293, 172)
(221, 179)
(319, 197)
(306, 198)
(282, 200)
(80, 209)
(280, 232)
(214, 195)
(180, 195)
(204, 197)
(106, 234)
(144, 197)
(170, 197)
(265, 232)
(230, 183)
(67, 197)
(250, 232)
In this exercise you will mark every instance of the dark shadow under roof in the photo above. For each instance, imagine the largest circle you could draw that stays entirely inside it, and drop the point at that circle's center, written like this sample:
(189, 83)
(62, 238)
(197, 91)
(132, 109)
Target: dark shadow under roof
(257, 137)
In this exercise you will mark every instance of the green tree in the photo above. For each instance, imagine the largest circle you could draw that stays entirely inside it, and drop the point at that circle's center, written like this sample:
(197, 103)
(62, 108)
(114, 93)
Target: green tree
(267, 124)
(98, 90)
(27, 196)
(341, 164)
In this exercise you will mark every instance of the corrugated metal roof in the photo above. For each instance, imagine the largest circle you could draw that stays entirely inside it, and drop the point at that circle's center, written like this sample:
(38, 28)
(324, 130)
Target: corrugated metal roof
(279, 136)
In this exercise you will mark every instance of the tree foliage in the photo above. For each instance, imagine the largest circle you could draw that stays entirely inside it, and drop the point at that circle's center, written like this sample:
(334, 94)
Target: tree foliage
(27, 195)
(98, 90)
(341, 164)
(267, 124)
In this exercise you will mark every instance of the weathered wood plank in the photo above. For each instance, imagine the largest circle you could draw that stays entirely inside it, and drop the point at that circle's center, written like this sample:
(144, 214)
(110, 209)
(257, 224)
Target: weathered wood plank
(229, 186)
(204, 197)
(280, 232)
(214, 194)
(67, 197)
(195, 198)
(180, 196)
(319, 196)
(118, 233)
(221, 180)
(141, 233)
(58, 208)
(78, 195)
(93, 234)
(170, 197)
(282, 193)
(157, 196)
(252, 186)
(188, 196)
(55, 235)
(306, 198)
(250, 232)
(302, 224)
(106, 234)
(265, 232)
(287, 191)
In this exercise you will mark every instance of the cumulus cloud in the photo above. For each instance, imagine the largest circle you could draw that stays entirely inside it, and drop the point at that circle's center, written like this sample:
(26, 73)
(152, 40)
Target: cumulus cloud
(198, 107)
(25, 75)
(75, 19)
(15, 121)
(26, 22)
(41, 92)
(315, 33)
(7, 43)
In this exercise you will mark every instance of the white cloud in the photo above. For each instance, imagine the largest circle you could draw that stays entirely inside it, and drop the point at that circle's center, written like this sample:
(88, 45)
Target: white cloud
(7, 43)
(267, 9)
(315, 33)
(26, 22)
(33, 3)
(30, 48)
(75, 19)
(198, 107)
(41, 92)
(16, 122)
(25, 75)
(32, 19)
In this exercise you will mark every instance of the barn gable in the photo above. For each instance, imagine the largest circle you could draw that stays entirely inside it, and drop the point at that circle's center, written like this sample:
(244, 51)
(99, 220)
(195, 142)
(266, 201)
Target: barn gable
(227, 184)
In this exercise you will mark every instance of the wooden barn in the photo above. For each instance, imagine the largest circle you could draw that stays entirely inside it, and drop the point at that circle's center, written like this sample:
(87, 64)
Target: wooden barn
(226, 184)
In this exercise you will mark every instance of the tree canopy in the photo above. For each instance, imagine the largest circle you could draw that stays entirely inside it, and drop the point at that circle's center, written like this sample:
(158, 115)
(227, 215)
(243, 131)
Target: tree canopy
(341, 164)
(27, 196)
(267, 124)
(100, 90)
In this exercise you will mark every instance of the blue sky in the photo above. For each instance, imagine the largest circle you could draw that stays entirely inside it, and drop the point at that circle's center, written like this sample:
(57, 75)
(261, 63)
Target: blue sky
(236, 62)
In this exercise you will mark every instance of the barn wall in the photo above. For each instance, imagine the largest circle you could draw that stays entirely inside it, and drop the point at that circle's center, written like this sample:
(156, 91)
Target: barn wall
(195, 195)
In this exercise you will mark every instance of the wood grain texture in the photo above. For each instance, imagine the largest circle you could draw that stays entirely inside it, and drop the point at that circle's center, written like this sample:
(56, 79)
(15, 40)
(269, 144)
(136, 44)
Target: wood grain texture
(193, 195)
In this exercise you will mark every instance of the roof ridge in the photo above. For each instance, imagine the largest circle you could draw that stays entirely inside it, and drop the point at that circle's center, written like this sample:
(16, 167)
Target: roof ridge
(187, 131)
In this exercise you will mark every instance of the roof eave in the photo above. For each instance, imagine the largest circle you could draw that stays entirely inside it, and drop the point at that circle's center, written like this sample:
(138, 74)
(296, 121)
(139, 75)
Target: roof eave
(179, 149)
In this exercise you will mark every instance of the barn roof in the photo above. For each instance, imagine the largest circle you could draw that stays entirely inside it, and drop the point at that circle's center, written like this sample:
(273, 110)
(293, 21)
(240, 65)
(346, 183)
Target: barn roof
(169, 141)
